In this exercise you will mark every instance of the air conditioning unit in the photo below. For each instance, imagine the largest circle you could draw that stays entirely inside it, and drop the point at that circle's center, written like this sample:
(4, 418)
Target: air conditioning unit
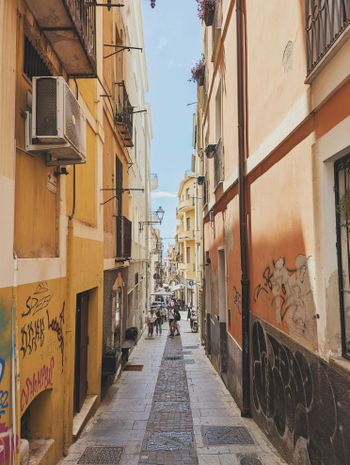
(57, 124)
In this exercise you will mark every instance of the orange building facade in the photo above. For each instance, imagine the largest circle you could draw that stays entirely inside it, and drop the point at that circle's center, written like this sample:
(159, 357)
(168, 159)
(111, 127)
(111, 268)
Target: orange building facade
(275, 125)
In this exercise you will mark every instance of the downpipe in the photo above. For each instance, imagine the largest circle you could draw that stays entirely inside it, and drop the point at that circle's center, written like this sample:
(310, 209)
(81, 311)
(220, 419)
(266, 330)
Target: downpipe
(242, 155)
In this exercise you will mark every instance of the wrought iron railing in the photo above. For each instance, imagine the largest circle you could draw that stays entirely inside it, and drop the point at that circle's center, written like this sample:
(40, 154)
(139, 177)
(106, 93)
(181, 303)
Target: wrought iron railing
(325, 21)
(124, 112)
(83, 13)
(123, 238)
(342, 195)
(218, 164)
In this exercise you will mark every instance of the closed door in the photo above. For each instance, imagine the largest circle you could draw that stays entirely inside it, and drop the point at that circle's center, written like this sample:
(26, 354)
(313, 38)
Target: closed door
(81, 343)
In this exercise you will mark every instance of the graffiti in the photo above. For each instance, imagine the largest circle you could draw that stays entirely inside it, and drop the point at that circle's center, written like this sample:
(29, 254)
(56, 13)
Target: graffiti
(8, 444)
(41, 380)
(39, 300)
(237, 300)
(303, 399)
(290, 293)
(56, 325)
(3, 394)
(32, 336)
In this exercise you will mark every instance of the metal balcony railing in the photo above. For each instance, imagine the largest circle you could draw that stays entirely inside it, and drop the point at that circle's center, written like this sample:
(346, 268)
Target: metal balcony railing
(218, 164)
(325, 21)
(123, 238)
(70, 27)
(124, 114)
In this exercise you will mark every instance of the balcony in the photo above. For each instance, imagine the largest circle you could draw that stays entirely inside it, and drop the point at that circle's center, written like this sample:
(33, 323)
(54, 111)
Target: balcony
(123, 238)
(70, 27)
(326, 21)
(186, 235)
(124, 115)
(218, 164)
(185, 205)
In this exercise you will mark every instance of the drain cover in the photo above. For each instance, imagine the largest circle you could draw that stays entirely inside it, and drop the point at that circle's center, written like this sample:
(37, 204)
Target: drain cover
(101, 455)
(169, 441)
(133, 368)
(173, 357)
(217, 435)
(246, 460)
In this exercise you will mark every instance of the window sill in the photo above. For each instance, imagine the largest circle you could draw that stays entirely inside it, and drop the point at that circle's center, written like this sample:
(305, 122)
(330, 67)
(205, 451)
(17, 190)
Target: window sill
(340, 364)
(39, 451)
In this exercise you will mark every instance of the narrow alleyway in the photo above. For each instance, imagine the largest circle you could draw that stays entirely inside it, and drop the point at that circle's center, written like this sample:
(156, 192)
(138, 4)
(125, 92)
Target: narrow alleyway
(174, 411)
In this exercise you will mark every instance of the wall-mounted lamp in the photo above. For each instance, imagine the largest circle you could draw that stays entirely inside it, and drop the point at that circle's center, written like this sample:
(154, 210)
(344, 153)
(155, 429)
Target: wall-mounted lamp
(210, 150)
(159, 213)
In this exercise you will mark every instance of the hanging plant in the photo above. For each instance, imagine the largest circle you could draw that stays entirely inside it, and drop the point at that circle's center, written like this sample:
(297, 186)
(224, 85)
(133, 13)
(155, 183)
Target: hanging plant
(198, 72)
(206, 10)
(153, 3)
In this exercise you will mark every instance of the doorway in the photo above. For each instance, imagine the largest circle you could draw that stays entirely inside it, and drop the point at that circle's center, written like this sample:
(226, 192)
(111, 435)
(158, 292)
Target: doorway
(81, 350)
(222, 301)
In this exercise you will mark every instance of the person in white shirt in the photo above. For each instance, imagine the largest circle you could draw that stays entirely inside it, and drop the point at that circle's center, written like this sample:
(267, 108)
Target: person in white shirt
(171, 316)
(150, 320)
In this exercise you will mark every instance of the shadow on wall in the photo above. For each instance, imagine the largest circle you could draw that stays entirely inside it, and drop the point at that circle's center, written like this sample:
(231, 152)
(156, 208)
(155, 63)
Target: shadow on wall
(301, 402)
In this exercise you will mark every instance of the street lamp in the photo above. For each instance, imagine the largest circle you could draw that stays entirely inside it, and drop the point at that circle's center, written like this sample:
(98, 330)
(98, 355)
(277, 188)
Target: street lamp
(159, 213)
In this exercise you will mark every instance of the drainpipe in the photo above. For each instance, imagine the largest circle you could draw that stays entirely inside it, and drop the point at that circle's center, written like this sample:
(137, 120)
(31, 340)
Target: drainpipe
(243, 209)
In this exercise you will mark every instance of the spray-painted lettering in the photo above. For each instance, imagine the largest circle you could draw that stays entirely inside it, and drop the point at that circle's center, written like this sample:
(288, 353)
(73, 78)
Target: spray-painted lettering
(56, 325)
(2, 368)
(38, 382)
(39, 300)
(8, 444)
(32, 336)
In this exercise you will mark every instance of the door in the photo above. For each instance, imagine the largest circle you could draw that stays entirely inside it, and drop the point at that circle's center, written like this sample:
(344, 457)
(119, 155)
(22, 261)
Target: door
(81, 343)
(222, 280)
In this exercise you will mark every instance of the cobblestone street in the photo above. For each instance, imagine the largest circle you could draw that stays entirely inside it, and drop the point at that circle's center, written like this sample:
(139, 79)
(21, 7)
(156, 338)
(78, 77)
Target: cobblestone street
(172, 410)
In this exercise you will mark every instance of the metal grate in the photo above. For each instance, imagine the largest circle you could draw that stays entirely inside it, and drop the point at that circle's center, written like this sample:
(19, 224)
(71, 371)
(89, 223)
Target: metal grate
(249, 460)
(33, 64)
(133, 368)
(325, 21)
(220, 435)
(342, 199)
(101, 455)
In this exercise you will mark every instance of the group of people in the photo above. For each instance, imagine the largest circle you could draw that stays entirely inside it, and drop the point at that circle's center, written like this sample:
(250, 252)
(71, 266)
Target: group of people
(156, 317)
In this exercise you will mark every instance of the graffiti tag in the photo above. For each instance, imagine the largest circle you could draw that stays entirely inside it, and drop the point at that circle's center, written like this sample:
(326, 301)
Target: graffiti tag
(2, 368)
(8, 444)
(32, 336)
(38, 382)
(39, 300)
(56, 325)
(237, 300)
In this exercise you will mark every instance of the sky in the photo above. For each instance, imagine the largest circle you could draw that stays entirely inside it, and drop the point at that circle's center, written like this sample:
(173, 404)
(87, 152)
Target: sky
(172, 34)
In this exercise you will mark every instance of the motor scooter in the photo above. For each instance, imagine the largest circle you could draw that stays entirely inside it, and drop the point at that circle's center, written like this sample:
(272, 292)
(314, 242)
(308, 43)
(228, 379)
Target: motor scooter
(194, 321)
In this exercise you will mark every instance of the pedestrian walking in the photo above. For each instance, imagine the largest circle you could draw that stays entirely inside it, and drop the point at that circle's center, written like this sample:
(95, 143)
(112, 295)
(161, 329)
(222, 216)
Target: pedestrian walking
(159, 321)
(188, 312)
(150, 320)
(171, 318)
(177, 318)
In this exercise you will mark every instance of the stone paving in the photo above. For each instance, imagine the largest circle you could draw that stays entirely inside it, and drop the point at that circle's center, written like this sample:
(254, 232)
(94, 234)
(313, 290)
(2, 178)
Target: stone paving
(176, 411)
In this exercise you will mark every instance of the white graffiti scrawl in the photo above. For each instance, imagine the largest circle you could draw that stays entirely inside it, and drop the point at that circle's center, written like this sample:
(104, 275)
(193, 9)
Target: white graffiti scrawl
(290, 292)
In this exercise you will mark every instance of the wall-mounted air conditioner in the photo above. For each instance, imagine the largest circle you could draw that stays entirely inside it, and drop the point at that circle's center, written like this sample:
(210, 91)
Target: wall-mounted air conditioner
(57, 124)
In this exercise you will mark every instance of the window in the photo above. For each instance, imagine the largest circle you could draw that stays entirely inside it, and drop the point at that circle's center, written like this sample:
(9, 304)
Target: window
(342, 198)
(188, 224)
(187, 193)
(188, 254)
(33, 64)
(119, 186)
(218, 112)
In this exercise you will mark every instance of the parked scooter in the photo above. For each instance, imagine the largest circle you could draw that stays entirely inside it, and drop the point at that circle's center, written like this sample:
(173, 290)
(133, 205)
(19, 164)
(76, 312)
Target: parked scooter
(194, 321)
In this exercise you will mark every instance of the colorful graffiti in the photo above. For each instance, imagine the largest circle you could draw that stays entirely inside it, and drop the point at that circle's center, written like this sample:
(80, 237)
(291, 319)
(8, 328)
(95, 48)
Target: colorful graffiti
(301, 398)
(56, 325)
(4, 394)
(39, 300)
(40, 380)
(8, 444)
(290, 293)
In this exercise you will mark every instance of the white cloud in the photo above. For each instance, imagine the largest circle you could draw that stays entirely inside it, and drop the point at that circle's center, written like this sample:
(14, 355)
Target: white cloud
(162, 194)
(163, 42)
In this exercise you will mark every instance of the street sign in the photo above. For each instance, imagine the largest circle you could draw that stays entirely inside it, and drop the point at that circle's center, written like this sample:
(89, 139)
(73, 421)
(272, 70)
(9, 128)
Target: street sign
(156, 276)
(190, 283)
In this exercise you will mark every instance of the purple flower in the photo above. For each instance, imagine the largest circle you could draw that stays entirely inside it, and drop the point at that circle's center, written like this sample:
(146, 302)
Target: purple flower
(205, 6)
(197, 72)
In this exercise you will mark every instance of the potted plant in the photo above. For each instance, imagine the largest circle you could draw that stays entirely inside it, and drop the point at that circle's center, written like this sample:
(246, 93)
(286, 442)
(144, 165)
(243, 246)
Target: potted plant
(110, 360)
(198, 72)
(206, 10)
